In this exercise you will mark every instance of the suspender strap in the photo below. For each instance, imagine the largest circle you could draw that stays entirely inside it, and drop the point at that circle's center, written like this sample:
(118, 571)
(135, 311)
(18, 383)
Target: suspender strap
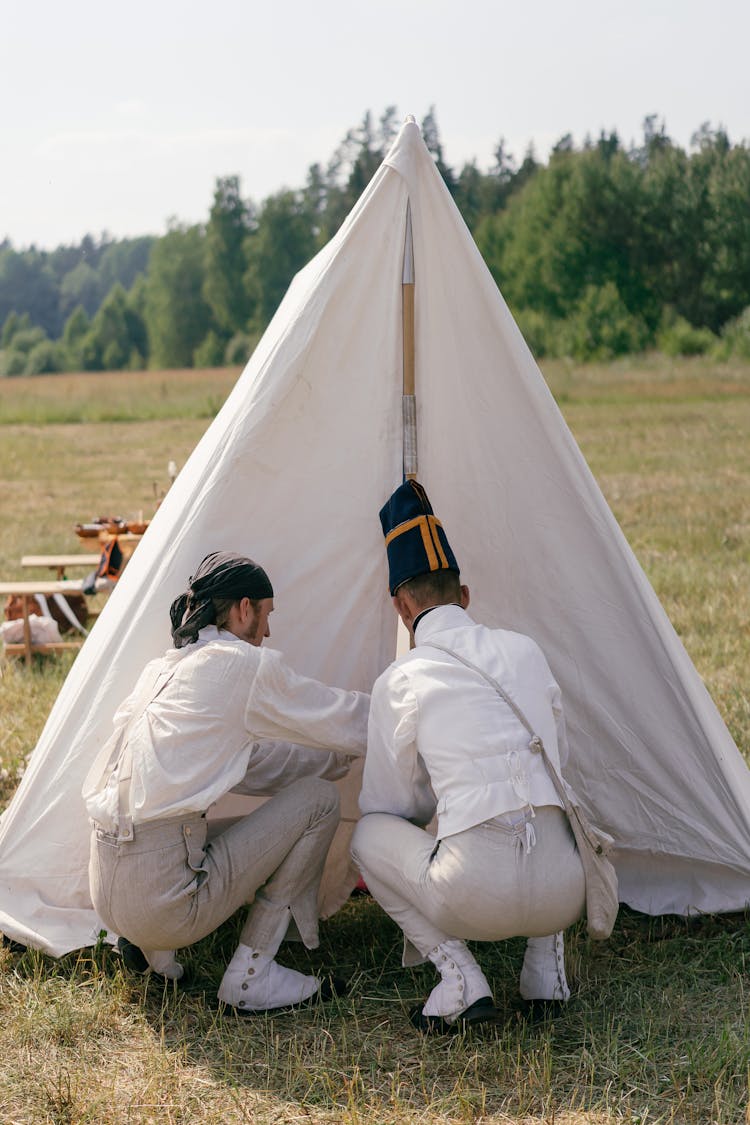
(125, 761)
(114, 763)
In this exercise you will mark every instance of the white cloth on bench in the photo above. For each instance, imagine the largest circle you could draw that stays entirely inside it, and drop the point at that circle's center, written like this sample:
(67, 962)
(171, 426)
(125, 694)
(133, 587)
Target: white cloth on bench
(44, 631)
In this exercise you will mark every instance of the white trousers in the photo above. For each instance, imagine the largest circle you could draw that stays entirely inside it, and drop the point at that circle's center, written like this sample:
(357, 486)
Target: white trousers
(484, 884)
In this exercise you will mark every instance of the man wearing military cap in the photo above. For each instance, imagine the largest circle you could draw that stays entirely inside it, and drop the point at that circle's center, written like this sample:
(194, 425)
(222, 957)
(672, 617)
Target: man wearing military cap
(441, 740)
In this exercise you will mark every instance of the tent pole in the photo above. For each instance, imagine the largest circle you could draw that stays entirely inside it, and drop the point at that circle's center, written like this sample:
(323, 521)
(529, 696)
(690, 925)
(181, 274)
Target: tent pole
(409, 389)
(409, 398)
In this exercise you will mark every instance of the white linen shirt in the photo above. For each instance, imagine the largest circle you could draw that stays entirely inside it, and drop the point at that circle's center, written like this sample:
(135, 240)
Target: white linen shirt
(197, 739)
(441, 739)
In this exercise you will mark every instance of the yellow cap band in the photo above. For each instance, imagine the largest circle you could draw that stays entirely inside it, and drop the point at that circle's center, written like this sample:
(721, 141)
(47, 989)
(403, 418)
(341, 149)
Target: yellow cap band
(428, 526)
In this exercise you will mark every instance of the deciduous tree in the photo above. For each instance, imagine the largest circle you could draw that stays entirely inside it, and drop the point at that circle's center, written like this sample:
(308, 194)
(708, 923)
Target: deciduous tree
(177, 314)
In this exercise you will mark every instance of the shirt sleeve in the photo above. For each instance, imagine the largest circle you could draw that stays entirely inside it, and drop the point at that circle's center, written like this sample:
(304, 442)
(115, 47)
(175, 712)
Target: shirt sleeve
(395, 778)
(284, 706)
(274, 765)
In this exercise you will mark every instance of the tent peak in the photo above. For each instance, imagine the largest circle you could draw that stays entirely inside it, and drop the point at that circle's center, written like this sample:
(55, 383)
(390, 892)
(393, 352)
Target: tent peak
(408, 141)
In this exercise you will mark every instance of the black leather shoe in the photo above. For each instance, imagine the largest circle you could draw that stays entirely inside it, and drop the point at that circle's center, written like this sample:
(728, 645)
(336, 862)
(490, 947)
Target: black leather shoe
(132, 956)
(482, 1011)
(332, 986)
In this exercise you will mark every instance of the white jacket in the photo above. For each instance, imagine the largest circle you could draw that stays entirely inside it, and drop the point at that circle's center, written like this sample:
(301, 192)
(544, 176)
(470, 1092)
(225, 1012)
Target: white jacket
(440, 738)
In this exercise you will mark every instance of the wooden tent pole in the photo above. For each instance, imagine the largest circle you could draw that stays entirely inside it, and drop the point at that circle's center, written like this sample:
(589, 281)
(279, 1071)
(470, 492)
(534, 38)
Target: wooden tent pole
(409, 398)
(409, 388)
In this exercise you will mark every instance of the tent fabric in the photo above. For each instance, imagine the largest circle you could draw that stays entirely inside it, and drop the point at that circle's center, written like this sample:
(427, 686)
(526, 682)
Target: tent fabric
(293, 471)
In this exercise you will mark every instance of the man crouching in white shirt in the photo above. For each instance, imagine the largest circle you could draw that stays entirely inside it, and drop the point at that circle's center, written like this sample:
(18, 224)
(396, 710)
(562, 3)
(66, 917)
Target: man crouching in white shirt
(198, 725)
(442, 740)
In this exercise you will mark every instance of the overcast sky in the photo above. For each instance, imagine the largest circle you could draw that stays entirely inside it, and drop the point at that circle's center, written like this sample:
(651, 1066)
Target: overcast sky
(117, 116)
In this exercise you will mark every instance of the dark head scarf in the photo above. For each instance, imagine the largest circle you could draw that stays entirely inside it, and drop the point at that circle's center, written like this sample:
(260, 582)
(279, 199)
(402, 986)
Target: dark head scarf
(222, 574)
(414, 537)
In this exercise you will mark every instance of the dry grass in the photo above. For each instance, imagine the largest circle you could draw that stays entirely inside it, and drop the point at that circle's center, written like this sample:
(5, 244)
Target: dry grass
(56, 475)
(115, 396)
(658, 1030)
(650, 378)
(657, 1033)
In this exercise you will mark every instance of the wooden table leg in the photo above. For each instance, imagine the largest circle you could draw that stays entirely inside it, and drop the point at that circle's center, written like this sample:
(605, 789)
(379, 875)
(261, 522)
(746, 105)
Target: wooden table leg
(26, 631)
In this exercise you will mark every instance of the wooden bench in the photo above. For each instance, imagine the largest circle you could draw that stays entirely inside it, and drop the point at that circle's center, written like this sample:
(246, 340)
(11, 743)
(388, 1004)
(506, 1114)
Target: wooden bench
(60, 563)
(27, 648)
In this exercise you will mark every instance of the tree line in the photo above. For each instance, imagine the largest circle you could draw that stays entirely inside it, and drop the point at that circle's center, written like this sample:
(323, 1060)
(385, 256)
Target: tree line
(602, 249)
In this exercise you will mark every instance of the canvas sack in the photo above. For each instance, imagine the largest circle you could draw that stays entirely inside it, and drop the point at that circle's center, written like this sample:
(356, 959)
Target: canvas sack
(44, 631)
(594, 845)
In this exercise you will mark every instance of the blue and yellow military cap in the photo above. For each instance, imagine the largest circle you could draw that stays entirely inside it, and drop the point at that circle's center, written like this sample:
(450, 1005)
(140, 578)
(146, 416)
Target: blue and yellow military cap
(414, 537)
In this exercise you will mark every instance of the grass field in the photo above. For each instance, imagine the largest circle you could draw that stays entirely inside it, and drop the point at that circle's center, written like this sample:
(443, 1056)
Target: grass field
(659, 1028)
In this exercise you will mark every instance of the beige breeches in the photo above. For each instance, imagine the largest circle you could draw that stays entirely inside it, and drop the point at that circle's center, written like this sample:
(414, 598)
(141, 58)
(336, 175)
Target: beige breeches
(484, 884)
(169, 887)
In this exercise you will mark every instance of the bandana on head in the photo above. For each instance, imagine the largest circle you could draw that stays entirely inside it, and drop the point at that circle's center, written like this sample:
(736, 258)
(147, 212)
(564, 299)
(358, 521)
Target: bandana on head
(414, 538)
(222, 574)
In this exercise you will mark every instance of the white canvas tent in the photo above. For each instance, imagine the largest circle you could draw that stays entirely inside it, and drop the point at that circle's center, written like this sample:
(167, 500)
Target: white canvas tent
(293, 471)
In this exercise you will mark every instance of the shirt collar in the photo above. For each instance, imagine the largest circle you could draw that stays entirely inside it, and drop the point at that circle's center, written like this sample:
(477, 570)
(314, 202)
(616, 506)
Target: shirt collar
(206, 635)
(440, 618)
(211, 633)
